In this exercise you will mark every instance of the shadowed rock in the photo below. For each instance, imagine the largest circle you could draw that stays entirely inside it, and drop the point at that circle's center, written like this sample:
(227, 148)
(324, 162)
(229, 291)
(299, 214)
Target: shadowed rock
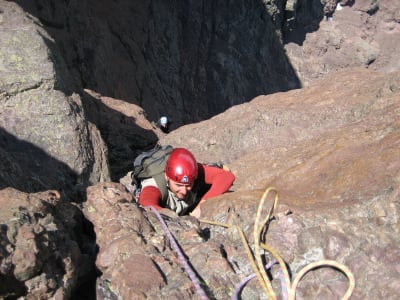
(41, 115)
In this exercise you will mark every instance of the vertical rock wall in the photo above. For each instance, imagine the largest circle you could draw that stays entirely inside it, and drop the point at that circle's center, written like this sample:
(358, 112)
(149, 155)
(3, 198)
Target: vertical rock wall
(45, 140)
(189, 59)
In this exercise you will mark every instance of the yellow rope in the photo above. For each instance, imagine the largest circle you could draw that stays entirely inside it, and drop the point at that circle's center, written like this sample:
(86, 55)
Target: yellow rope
(284, 270)
(258, 265)
(243, 239)
(263, 277)
(330, 263)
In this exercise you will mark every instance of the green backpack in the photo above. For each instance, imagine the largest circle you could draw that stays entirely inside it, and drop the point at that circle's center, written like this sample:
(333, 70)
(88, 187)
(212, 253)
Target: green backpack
(150, 164)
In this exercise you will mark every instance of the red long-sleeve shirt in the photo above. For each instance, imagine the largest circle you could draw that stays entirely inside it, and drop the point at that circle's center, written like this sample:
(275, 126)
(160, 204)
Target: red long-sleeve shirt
(219, 180)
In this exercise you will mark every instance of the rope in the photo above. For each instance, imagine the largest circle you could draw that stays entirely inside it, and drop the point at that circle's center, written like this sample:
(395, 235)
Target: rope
(235, 295)
(182, 259)
(262, 274)
(330, 263)
(288, 288)
(242, 237)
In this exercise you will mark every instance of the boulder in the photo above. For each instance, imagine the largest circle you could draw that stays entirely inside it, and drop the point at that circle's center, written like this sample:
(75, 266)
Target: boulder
(46, 141)
(45, 251)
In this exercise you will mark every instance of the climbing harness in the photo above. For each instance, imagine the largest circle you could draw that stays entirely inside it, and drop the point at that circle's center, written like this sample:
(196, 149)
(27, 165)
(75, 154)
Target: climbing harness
(288, 288)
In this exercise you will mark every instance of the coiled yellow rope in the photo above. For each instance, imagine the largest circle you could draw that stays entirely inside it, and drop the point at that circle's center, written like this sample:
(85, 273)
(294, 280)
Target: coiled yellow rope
(288, 288)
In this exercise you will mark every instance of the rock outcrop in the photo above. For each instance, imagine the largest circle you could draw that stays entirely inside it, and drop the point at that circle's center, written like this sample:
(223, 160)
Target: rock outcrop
(124, 126)
(361, 33)
(45, 140)
(81, 83)
(189, 61)
(44, 253)
(331, 151)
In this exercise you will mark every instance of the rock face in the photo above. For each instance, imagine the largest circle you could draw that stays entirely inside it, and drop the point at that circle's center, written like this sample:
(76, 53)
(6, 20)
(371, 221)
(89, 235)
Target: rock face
(76, 75)
(318, 128)
(43, 251)
(125, 128)
(46, 142)
(362, 33)
(188, 60)
(331, 151)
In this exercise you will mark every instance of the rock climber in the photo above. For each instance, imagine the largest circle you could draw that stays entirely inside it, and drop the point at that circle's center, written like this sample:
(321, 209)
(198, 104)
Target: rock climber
(163, 124)
(188, 184)
(332, 5)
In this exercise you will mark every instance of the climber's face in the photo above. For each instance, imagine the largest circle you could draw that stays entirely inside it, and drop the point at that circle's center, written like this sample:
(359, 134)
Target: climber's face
(181, 190)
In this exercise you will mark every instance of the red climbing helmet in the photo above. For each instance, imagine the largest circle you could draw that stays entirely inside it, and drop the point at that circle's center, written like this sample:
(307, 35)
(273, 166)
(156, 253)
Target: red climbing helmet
(181, 166)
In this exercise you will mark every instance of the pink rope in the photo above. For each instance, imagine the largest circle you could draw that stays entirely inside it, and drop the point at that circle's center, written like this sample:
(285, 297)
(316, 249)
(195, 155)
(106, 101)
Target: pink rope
(182, 259)
(239, 287)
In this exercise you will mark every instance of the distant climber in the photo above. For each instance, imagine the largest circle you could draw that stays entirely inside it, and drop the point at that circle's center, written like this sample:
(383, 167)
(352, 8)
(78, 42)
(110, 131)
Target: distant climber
(333, 5)
(163, 124)
(184, 184)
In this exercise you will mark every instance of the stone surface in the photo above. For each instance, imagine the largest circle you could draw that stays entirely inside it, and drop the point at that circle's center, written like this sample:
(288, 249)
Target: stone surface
(332, 152)
(44, 251)
(125, 128)
(45, 140)
(81, 83)
(333, 155)
(187, 60)
(81, 45)
(362, 33)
